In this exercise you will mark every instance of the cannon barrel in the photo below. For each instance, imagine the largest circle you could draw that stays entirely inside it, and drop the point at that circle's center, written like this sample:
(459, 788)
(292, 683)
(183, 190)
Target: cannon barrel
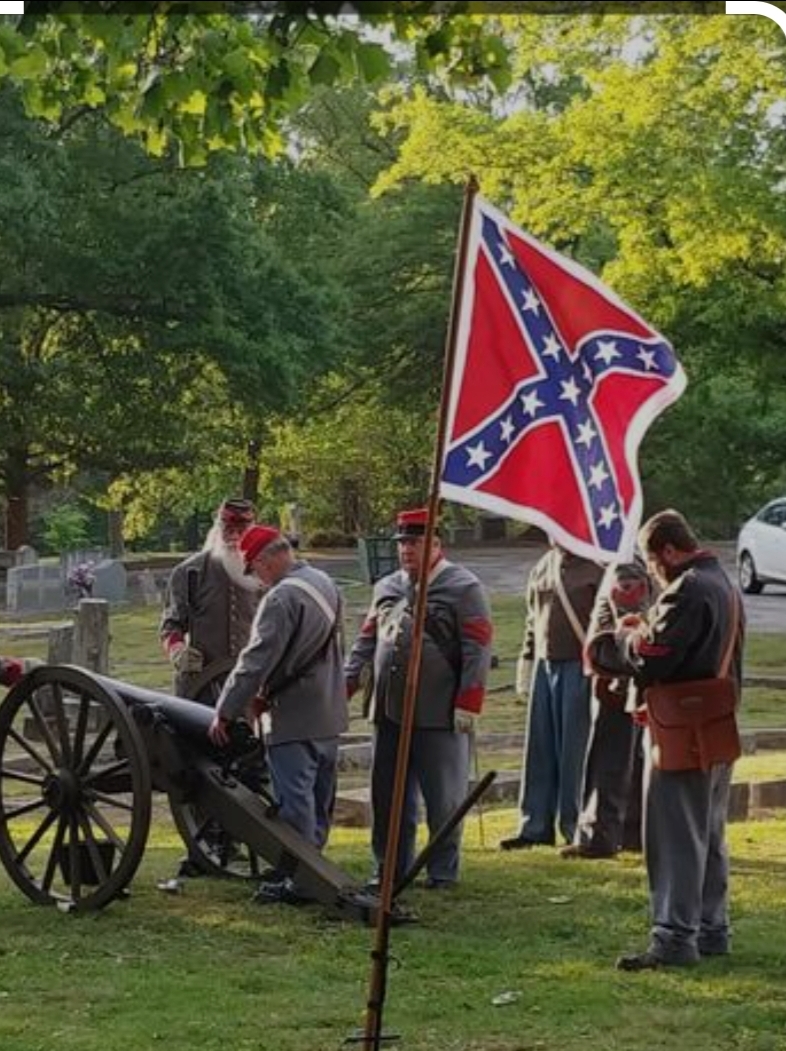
(189, 720)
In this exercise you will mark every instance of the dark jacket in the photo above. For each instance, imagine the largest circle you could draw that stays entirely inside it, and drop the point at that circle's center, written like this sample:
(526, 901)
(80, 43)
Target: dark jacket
(689, 627)
(548, 633)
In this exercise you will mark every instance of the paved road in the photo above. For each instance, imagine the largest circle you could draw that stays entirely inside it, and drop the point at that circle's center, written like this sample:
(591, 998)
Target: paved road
(504, 570)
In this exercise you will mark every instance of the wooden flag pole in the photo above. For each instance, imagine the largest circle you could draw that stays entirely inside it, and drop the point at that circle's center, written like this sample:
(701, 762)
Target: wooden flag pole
(379, 955)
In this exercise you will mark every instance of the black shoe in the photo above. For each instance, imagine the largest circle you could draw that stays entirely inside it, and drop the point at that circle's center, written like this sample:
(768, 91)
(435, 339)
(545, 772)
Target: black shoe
(584, 850)
(519, 842)
(189, 869)
(713, 948)
(649, 960)
(281, 892)
(432, 883)
(639, 961)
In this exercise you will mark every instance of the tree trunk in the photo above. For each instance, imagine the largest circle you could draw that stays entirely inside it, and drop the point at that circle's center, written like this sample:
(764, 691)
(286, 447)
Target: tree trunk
(17, 526)
(251, 473)
(115, 530)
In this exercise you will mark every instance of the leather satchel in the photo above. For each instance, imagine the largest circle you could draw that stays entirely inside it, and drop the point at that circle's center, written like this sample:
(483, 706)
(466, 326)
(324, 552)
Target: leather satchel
(694, 724)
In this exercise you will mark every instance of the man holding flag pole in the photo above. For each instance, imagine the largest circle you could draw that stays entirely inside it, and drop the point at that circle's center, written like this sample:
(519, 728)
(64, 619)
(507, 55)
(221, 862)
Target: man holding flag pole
(550, 383)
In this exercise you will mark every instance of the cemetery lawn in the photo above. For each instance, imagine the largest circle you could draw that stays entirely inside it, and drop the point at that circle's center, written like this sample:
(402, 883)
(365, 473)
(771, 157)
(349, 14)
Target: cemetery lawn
(207, 970)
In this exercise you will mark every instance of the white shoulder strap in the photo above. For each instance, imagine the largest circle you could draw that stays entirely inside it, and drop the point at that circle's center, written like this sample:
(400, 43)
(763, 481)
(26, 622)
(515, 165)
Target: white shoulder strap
(567, 606)
(314, 593)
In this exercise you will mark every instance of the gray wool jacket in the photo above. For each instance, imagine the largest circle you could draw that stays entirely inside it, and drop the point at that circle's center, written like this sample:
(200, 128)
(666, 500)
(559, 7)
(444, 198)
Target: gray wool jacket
(456, 652)
(215, 618)
(294, 659)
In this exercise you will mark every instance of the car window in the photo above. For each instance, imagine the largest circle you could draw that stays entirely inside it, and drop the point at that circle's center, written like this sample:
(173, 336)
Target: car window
(775, 514)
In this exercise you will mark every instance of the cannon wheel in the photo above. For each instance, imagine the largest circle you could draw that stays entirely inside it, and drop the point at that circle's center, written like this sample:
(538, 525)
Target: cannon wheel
(211, 849)
(75, 795)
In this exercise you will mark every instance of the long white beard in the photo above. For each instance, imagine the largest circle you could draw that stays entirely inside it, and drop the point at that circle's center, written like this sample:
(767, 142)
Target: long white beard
(231, 560)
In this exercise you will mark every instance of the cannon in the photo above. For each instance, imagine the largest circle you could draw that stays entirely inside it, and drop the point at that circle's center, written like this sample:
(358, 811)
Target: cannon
(80, 755)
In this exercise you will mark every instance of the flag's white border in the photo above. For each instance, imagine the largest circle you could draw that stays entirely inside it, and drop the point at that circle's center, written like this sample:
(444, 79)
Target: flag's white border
(639, 425)
(757, 7)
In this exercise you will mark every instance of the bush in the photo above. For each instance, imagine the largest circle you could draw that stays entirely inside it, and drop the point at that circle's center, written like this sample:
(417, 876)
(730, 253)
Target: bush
(331, 538)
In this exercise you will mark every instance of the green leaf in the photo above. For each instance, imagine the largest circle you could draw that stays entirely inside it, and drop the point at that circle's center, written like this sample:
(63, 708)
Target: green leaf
(30, 65)
(373, 62)
(326, 68)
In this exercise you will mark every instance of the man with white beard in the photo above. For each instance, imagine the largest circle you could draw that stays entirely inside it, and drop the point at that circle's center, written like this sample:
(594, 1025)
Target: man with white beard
(210, 602)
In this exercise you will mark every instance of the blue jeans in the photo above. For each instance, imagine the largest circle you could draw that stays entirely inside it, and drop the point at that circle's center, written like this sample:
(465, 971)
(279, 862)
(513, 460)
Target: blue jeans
(555, 751)
(439, 766)
(304, 782)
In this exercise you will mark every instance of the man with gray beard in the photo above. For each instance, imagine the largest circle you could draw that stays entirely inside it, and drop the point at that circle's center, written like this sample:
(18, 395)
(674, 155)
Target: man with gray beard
(210, 603)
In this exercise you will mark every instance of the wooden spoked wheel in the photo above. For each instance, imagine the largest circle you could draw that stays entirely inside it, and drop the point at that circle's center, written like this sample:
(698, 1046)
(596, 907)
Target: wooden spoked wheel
(75, 793)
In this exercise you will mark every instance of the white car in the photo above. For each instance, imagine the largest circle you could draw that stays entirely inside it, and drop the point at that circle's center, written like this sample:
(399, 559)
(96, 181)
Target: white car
(761, 548)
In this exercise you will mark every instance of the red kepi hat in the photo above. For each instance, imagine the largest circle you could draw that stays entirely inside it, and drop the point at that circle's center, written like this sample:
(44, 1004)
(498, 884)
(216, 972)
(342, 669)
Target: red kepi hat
(411, 523)
(255, 539)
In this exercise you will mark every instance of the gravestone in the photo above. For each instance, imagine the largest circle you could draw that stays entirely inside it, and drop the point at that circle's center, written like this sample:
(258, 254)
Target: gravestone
(91, 635)
(111, 581)
(35, 588)
(151, 596)
(26, 555)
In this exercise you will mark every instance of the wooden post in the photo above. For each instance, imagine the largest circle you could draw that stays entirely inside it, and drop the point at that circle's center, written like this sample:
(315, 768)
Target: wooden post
(60, 644)
(91, 637)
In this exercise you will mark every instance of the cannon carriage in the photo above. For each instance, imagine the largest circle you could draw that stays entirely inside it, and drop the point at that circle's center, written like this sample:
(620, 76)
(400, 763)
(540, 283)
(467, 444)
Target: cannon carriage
(81, 754)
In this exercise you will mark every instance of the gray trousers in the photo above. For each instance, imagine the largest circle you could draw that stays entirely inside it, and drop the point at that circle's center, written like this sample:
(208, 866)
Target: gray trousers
(687, 861)
(439, 766)
(304, 783)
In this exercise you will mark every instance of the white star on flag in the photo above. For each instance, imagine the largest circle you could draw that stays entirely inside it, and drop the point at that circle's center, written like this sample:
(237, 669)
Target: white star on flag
(507, 430)
(608, 516)
(598, 475)
(478, 456)
(587, 434)
(530, 403)
(570, 391)
(647, 358)
(551, 347)
(531, 301)
(506, 256)
(607, 351)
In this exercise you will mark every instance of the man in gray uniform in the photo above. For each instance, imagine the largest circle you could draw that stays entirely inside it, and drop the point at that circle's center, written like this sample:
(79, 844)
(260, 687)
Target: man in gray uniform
(210, 603)
(684, 638)
(291, 672)
(455, 661)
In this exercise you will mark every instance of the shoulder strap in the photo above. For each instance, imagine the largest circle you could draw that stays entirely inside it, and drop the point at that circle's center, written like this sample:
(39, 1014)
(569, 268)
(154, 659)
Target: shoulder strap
(276, 686)
(567, 605)
(314, 594)
(723, 673)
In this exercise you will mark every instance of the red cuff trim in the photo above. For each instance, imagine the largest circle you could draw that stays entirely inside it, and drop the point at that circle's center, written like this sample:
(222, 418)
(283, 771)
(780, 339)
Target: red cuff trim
(478, 630)
(651, 649)
(471, 700)
(369, 629)
(174, 638)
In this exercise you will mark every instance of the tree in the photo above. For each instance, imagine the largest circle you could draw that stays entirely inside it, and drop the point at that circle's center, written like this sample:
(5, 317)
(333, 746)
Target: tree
(653, 151)
(142, 308)
(226, 79)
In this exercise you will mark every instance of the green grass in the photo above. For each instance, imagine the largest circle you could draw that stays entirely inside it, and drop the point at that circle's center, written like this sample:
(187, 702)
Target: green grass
(208, 970)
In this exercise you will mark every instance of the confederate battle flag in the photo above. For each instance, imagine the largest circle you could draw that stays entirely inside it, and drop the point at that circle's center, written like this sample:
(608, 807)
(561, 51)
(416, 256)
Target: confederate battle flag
(554, 385)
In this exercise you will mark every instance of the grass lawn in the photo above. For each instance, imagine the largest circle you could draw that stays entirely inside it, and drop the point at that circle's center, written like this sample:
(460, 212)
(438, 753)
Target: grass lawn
(208, 970)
